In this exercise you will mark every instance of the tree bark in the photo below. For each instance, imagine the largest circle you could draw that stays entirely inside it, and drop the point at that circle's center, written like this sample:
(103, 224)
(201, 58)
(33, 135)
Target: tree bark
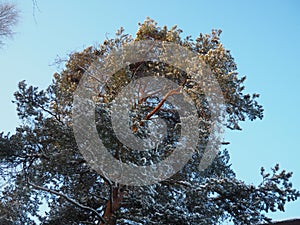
(112, 205)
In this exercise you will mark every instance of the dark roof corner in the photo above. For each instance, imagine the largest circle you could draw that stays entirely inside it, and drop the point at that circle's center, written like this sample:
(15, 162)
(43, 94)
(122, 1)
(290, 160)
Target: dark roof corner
(286, 222)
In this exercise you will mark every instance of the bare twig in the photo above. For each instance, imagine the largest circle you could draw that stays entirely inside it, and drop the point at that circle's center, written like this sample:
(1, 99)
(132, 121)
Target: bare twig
(68, 199)
(8, 18)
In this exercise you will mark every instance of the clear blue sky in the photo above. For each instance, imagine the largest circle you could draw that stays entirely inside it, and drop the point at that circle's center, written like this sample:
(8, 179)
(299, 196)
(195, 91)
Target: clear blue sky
(263, 37)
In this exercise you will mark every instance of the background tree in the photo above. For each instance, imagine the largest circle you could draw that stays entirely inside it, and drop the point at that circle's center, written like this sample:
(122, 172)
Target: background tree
(42, 162)
(8, 19)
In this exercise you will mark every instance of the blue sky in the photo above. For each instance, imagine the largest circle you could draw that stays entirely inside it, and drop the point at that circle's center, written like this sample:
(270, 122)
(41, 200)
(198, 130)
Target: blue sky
(263, 36)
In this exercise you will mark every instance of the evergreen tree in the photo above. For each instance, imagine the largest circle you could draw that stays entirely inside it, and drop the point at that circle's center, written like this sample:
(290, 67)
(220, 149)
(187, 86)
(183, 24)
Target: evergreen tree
(41, 163)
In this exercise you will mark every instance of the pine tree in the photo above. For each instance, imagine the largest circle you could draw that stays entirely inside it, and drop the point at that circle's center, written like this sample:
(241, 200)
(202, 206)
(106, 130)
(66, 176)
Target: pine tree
(41, 163)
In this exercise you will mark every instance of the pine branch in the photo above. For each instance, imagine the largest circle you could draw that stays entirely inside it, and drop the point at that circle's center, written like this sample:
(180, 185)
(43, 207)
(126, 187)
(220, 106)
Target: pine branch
(160, 104)
(68, 199)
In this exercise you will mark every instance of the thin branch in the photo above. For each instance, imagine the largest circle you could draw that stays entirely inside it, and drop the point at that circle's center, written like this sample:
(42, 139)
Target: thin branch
(51, 113)
(34, 8)
(68, 199)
